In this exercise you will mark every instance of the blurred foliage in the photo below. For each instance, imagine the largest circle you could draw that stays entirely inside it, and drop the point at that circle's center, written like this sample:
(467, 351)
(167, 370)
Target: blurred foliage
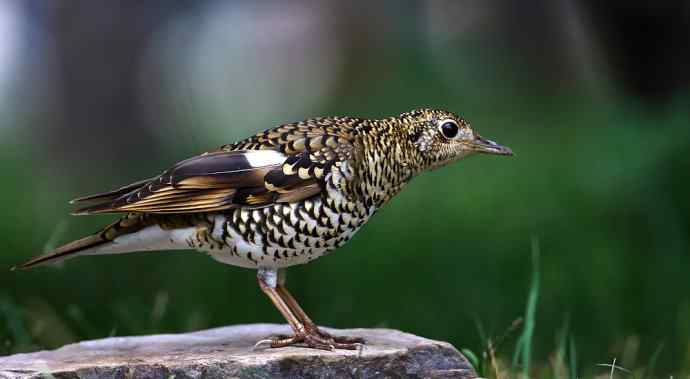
(601, 181)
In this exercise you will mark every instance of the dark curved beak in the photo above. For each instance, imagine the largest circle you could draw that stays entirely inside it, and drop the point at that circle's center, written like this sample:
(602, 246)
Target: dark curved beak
(486, 146)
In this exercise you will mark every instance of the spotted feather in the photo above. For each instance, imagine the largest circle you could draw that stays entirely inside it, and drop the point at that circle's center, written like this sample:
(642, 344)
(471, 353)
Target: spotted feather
(285, 164)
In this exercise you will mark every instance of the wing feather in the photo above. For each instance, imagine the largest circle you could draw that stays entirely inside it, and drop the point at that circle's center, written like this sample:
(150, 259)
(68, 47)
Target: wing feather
(285, 164)
(111, 194)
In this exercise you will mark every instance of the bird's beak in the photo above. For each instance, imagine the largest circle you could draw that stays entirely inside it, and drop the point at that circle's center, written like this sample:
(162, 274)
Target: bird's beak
(485, 146)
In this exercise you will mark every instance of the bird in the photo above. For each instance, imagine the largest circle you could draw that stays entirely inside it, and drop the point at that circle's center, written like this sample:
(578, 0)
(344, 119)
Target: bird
(280, 198)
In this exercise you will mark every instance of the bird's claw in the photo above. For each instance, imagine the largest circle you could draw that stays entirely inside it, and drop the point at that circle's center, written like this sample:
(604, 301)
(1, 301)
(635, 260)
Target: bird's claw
(344, 340)
(262, 344)
(314, 340)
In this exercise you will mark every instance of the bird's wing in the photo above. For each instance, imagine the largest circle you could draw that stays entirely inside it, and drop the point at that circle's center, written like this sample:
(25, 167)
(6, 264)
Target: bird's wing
(285, 164)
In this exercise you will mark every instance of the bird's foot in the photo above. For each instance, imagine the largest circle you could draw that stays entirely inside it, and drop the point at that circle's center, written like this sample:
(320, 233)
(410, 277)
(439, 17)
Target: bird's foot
(313, 339)
(339, 339)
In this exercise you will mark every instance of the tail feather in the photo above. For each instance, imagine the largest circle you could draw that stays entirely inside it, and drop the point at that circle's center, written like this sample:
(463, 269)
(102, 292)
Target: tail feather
(90, 244)
(64, 252)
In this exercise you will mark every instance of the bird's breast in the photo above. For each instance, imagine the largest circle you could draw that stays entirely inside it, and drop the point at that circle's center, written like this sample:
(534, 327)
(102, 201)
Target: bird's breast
(283, 235)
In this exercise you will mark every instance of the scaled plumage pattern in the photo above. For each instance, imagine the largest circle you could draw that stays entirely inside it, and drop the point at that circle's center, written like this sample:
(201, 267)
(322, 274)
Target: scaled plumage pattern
(282, 197)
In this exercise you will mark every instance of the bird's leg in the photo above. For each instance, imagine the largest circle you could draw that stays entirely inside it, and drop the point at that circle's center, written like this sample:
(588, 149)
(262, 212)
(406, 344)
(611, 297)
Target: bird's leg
(306, 321)
(341, 342)
(267, 279)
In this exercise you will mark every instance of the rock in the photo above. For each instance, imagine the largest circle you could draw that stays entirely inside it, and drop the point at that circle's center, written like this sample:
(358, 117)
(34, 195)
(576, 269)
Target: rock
(227, 353)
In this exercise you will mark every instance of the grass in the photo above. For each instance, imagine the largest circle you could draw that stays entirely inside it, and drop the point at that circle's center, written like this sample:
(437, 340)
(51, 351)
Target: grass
(523, 351)
(562, 362)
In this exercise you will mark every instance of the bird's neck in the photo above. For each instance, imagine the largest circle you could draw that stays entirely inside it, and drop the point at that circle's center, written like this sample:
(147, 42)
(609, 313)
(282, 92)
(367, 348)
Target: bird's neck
(388, 164)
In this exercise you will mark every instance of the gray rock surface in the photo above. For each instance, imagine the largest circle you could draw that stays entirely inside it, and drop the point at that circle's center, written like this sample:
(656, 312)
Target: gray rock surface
(227, 353)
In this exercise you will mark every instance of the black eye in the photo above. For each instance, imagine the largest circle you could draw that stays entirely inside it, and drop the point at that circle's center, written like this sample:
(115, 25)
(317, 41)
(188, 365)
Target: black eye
(449, 129)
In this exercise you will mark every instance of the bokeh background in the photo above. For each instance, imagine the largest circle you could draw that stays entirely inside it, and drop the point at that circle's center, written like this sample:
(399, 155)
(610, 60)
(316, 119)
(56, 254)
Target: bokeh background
(592, 96)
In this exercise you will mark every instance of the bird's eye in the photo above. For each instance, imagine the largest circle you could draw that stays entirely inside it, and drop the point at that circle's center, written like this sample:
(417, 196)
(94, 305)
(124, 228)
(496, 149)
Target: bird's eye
(449, 128)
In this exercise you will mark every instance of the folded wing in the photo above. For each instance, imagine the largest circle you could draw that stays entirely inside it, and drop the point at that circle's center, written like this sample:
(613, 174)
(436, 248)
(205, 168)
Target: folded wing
(224, 179)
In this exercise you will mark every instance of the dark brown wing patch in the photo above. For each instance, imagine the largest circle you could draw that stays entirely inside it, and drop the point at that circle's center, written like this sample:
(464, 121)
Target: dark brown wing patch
(285, 164)
(205, 183)
(311, 165)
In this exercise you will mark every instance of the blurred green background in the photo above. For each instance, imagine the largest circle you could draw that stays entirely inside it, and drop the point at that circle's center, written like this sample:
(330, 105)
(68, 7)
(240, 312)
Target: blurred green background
(593, 98)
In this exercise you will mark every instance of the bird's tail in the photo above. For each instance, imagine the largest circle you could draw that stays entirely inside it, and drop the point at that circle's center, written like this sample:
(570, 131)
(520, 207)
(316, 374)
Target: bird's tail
(94, 244)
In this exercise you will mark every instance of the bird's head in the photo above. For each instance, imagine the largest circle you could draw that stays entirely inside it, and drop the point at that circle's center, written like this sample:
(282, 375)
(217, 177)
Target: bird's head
(441, 137)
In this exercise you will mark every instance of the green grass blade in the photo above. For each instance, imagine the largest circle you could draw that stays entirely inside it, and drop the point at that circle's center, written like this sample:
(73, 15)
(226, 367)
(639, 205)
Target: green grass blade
(572, 364)
(649, 371)
(523, 351)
